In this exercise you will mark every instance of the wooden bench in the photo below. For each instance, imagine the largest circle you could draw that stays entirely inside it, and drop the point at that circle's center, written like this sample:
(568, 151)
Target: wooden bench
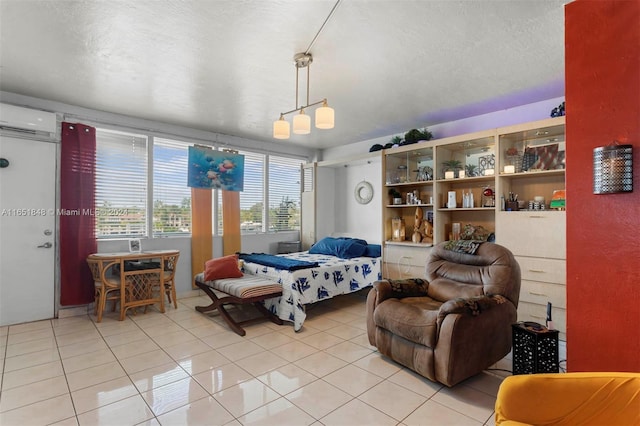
(249, 289)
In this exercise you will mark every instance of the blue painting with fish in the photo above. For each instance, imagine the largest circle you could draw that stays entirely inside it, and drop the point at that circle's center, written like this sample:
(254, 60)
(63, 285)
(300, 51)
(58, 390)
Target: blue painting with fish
(209, 169)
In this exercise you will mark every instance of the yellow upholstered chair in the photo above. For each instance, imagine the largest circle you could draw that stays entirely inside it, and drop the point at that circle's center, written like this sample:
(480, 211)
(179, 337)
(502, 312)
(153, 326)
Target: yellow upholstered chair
(569, 399)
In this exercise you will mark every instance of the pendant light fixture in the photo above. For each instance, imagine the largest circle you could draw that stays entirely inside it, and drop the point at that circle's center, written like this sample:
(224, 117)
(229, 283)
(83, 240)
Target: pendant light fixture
(325, 116)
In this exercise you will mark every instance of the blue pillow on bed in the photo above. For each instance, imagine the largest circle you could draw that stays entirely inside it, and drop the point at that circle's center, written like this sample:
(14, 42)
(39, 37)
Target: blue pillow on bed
(373, 250)
(344, 248)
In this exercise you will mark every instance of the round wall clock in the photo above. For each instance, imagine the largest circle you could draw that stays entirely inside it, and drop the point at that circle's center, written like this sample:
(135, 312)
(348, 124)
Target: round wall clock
(363, 192)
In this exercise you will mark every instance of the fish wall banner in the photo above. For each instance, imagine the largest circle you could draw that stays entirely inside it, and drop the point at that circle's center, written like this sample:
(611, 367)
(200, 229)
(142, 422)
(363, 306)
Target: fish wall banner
(210, 169)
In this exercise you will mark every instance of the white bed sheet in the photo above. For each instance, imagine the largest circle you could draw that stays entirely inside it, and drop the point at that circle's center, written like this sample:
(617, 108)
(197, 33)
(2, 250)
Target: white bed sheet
(333, 276)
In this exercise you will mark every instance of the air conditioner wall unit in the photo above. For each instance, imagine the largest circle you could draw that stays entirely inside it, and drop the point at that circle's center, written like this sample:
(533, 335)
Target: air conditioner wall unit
(19, 120)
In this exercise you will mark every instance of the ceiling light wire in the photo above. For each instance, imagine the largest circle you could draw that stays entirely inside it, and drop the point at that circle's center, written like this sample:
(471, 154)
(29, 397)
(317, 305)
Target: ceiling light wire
(335, 6)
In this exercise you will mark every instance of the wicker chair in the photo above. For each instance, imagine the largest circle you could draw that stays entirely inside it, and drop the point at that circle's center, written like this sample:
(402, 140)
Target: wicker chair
(170, 265)
(106, 287)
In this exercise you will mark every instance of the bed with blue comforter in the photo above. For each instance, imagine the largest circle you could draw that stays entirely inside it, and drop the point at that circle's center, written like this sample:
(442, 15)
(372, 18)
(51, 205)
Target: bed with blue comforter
(331, 277)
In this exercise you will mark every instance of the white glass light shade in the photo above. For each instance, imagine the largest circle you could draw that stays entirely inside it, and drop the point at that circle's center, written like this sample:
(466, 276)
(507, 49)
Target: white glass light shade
(325, 117)
(281, 129)
(301, 123)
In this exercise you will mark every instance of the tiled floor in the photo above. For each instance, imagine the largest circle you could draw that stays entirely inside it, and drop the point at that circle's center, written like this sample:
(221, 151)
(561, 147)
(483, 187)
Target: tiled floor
(184, 368)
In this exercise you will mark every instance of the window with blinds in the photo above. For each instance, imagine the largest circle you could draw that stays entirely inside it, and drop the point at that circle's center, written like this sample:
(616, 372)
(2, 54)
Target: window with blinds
(171, 195)
(121, 184)
(284, 193)
(252, 198)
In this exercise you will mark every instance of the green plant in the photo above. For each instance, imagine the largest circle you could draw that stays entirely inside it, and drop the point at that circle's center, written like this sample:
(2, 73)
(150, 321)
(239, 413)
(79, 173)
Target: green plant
(394, 193)
(452, 165)
(470, 170)
(415, 135)
(396, 140)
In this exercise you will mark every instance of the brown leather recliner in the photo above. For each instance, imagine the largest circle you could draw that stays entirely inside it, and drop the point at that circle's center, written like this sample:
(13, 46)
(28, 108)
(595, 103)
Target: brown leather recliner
(456, 322)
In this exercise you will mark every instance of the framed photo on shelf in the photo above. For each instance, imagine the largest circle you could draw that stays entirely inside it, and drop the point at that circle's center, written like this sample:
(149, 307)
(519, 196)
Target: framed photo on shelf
(135, 246)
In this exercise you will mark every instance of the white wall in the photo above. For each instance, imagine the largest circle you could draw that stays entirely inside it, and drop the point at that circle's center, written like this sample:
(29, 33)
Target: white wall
(325, 202)
(352, 218)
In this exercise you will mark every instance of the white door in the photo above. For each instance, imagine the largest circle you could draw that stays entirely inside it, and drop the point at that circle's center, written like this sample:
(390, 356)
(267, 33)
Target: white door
(27, 230)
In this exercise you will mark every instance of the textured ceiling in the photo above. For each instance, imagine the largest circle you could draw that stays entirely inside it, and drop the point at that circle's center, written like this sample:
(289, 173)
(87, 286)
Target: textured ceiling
(385, 66)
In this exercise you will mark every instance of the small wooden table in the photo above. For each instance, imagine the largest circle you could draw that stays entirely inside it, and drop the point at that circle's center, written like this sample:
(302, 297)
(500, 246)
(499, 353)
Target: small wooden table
(137, 286)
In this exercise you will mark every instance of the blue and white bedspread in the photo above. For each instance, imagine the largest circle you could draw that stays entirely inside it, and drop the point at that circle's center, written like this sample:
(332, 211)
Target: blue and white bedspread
(333, 277)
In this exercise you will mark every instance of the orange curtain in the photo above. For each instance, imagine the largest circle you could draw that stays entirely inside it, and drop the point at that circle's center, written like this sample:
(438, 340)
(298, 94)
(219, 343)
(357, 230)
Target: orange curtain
(201, 231)
(231, 222)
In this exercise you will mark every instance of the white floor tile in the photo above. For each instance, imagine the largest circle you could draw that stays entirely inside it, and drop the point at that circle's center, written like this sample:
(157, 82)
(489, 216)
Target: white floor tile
(294, 351)
(144, 361)
(348, 351)
(129, 411)
(433, 413)
(28, 336)
(31, 346)
(34, 392)
(173, 395)
(41, 413)
(404, 400)
(203, 362)
(138, 347)
(287, 378)
(94, 375)
(320, 364)
(29, 375)
(223, 377)
(102, 394)
(186, 349)
(357, 412)
(475, 404)
(205, 411)
(319, 398)
(158, 376)
(353, 380)
(272, 339)
(240, 350)
(245, 397)
(31, 359)
(280, 412)
(261, 362)
(91, 345)
(81, 362)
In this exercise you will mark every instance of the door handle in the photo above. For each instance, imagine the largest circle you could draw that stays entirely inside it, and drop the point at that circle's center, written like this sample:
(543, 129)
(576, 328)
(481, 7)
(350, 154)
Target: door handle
(46, 245)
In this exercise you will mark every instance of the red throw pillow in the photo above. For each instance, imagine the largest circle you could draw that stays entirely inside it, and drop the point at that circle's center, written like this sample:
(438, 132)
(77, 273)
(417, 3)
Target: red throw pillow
(222, 267)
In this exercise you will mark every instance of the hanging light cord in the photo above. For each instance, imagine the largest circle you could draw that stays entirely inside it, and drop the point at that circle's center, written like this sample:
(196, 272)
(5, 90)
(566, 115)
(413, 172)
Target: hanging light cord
(335, 6)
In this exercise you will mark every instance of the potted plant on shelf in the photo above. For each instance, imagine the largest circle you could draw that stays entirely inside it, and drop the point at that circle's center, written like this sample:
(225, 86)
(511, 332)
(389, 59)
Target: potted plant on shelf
(396, 141)
(415, 135)
(451, 166)
(470, 169)
(396, 197)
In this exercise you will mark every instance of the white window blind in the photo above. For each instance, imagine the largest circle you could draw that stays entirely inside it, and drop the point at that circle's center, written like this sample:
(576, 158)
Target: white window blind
(284, 193)
(171, 195)
(252, 197)
(121, 184)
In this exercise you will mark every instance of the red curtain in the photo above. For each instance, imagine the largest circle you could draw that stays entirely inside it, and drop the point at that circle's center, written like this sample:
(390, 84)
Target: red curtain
(77, 197)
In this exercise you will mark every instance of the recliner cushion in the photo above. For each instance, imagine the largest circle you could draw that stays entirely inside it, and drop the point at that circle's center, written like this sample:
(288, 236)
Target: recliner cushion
(414, 318)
